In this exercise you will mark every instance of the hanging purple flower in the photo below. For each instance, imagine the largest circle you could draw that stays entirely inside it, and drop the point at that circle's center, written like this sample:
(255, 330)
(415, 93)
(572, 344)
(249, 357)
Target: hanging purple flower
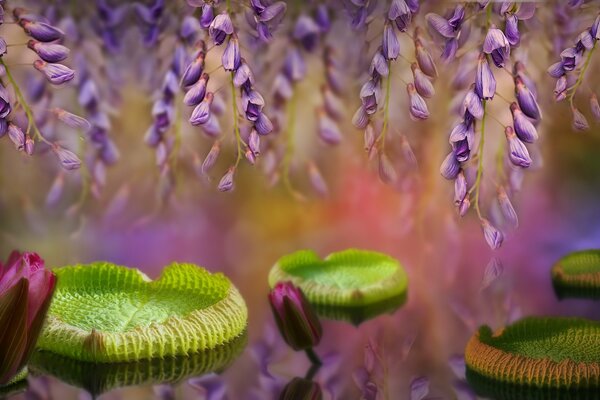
(226, 184)
(68, 159)
(41, 31)
(253, 103)
(57, 74)
(193, 71)
(497, 45)
(390, 43)
(418, 107)
(369, 94)
(507, 209)
(511, 30)
(526, 100)
(329, 131)
(49, 52)
(231, 56)
(307, 32)
(517, 152)
(201, 112)
(524, 129)
(400, 13)
(493, 236)
(485, 83)
(422, 82)
(424, 59)
(196, 93)
(17, 136)
(450, 167)
(220, 28)
(580, 123)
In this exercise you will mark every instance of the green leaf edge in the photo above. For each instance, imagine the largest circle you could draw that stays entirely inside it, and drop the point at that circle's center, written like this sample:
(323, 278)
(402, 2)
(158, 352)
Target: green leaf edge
(485, 358)
(570, 283)
(200, 330)
(394, 286)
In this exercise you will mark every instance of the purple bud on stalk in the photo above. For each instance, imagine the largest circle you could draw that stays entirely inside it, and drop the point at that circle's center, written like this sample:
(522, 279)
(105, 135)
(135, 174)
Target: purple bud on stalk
(57, 74)
(492, 235)
(329, 131)
(5, 107)
(3, 47)
(422, 83)
(390, 43)
(243, 76)
(369, 137)
(207, 16)
(485, 83)
(29, 145)
(231, 56)
(193, 71)
(211, 157)
(579, 123)
(294, 64)
(220, 28)
(584, 41)
(474, 104)
(3, 127)
(212, 127)
(263, 124)
(424, 59)
(400, 13)
(368, 95)
(526, 100)
(570, 58)
(253, 104)
(560, 89)
(226, 183)
(556, 70)
(440, 25)
(254, 142)
(450, 167)
(250, 156)
(518, 153)
(507, 209)
(595, 28)
(379, 65)
(297, 322)
(594, 106)
(418, 107)
(360, 119)
(49, 52)
(460, 188)
(41, 31)
(17, 136)
(316, 180)
(450, 49)
(196, 93)
(67, 158)
(461, 150)
(496, 44)
(512, 30)
(524, 128)
(201, 113)
(322, 18)
(464, 206)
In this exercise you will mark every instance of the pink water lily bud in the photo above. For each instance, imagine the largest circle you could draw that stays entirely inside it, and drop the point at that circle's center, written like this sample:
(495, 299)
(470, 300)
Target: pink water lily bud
(296, 320)
(26, 289)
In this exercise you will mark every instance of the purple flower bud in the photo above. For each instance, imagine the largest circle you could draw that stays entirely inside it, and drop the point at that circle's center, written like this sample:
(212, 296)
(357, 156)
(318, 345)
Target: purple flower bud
(68, 159)
(460, 188)
(360, 118)
(369, 94)
(5, 107)
(485, 83)
(512, 30)
(211, 157)
(190, 29)
(524, 129)
(450, 49)
(273, 13)
(422, 83)
(560, 89)
(594, 106)
(294, 65)
(207, 17)
(307, 32)
(507, 209)
(440, 25)
(49, 52)
(297, 322)
(459, 132)
(153, 136)
(474, 104)
(464, 206)
(254, 142)
(263, 124)
(526, 100)
(334, 106)
(250, 156)
(243, 76)
(369, 137)
(497, 45)
(72, 120)
(556, 70)
(387, 172)
(17, 136)
(231, 55)
(220, 28)
(595, 29)
(212, 127)
(201, 113)
(29, 145)
(492, 235)
(425, 60)
(579, 123)
(282, 87)
(57, 74)
(3, 46)
(461, 150)
(41, 31)
(457, 18)
(413, 5)
(316, 179)
(450, 167)
(584, 41)
(88, 95)
(196, 93)
(517, 152)
(329, 131)
(418, 107)
(390, 43)
(226, 183)
(379, 65)
(253, 104)
(570, 58)
(193, 71)
(400, 13)
(3, 127)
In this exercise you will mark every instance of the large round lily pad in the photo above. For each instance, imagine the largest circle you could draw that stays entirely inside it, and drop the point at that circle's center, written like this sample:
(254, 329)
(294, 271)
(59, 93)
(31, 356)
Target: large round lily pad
(349, 278)
(105, 313)
(539, 352)
(578, 274)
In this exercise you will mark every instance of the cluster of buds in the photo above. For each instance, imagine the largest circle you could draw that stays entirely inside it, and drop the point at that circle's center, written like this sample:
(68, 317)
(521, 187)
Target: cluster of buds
(570, 71)
(26, 289)
(150, 17)
(525, 115)
(398, 17)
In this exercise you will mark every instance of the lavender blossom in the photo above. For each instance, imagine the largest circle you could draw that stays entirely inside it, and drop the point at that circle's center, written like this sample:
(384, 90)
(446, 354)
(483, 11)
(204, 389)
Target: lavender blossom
(497, 45)
(485, 83)
(57, 74)
(418, 107)
(518, 153)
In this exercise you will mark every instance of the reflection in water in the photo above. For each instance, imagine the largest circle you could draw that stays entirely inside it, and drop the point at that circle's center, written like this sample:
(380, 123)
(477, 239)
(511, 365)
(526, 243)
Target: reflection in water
(498, 390)
(13, 388)
(303, 388)
(357, 315)
(98, 378)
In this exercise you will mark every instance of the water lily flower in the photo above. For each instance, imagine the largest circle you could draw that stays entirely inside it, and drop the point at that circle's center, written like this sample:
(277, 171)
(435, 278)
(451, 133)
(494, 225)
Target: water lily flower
(26, 289)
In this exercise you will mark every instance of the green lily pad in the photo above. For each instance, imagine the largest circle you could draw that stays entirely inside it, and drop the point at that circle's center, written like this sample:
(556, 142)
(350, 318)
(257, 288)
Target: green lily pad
(578, 275)
(98, 378)
(350, 278)
(553, 352)
(102, 312)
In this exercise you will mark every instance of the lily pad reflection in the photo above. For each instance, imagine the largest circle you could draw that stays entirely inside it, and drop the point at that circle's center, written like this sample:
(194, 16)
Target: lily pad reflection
(358, 314)
(577, 275)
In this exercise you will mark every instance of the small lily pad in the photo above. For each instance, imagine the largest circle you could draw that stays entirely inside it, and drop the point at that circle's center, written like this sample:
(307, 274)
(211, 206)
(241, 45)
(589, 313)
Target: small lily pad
(539, 352)
(350, 278)
(578, 275)
(98, 378)
(102, 312)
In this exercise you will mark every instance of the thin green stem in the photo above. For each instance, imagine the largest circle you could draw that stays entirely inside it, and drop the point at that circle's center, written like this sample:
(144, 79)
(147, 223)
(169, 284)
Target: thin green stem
(313, 357)
(236, 127)
(574, 88)
(477, 185)
(386, 107)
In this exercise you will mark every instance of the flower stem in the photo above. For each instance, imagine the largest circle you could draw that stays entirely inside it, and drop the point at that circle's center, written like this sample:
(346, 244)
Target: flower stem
(313, 357)
(236, 128)
(477, 185)
(386, 107)
(574, 88)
